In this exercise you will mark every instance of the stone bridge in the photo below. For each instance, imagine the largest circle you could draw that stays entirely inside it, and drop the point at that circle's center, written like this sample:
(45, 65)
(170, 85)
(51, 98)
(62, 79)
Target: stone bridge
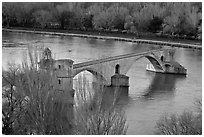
(107, 67)
(112, 70)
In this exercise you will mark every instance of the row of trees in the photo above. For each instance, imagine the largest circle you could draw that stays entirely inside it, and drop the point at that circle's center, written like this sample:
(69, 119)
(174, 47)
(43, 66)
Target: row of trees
(169, 18)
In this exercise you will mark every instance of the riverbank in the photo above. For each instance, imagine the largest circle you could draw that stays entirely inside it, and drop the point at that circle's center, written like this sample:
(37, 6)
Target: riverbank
(113, 36)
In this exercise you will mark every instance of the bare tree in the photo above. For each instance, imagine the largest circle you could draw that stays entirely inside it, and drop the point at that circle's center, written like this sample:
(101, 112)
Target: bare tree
(185, 124)
(92, 116)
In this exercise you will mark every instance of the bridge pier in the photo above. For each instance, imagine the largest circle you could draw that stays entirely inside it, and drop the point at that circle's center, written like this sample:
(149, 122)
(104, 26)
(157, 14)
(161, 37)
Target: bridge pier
(118, 89)
(120, 80)
(120, 83)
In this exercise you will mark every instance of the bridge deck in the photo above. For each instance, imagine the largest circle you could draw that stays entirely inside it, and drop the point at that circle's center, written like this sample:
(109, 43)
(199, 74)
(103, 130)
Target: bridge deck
(88, 63)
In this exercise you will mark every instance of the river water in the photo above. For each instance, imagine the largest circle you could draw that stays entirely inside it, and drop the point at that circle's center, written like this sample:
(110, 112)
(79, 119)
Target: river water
(150, 95)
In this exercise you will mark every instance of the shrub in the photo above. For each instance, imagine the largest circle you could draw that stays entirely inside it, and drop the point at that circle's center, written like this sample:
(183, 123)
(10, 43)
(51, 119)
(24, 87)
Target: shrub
(185, 124)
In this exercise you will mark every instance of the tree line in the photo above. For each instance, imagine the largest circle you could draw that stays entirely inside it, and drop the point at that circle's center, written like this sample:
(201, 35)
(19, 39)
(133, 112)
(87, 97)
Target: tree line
(170, 18)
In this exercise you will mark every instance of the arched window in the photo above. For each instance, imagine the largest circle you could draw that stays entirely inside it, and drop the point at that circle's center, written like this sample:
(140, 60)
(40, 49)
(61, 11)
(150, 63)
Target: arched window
(162, 58)
(117, 69)
(59, 81)
(59, 66)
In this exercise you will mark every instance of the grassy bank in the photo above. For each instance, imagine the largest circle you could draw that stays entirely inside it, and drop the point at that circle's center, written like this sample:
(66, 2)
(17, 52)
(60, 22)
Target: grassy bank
(148, 38)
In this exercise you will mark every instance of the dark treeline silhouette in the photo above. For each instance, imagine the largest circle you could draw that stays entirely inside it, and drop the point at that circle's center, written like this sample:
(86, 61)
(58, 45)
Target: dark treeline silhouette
(166, 19)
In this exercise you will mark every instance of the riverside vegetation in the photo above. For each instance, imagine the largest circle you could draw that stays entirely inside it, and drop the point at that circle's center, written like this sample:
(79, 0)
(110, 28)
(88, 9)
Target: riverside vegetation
(168, 19)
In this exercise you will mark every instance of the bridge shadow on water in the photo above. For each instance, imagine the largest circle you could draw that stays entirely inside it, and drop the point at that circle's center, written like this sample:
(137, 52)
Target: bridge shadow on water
(117, 94)
(162, 85)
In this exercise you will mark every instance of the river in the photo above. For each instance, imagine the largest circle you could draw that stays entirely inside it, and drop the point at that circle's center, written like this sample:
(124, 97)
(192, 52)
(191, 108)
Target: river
(150, 95)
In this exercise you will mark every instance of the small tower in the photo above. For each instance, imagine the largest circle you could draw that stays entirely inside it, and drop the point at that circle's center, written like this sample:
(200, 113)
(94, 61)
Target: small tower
(47, 54)
(47, 61)
(63, 96)
(63, 72)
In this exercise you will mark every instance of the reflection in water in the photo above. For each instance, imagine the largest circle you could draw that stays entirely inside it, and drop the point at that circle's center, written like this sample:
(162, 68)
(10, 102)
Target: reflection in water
(162, 84)
(92, 42)
(119, 95)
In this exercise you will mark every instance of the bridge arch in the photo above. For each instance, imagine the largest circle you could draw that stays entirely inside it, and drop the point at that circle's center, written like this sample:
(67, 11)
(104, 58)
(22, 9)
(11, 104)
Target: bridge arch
(153, 59)
(155, 62)
(94, 72)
